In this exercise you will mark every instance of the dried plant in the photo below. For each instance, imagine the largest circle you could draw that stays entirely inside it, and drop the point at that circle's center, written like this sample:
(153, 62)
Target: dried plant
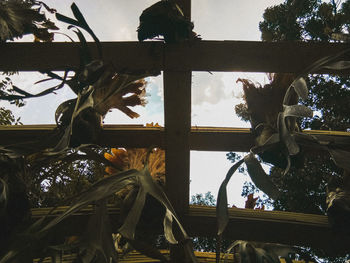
(165, 18)
(22, 17)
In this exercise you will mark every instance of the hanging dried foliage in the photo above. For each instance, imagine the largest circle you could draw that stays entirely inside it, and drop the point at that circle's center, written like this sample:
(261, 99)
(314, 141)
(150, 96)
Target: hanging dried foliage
(99, 88)
(22, 17)
(165, 18)
(273, 110)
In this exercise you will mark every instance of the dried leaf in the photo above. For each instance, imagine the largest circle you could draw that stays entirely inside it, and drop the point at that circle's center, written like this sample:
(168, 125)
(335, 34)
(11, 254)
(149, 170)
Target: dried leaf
(168, 222)
(259, 177)
(300, 88)
(146, 185)
(340, 157)
(100, 190)
(127, 230)
(297, 111)
(98, 238)
(271, 142)
(339, 65)
(80, 22)
(4, 192)
(19, 18)
(221, 206)
(166, 19)
(285, 135)
(251, 201)
(253, 252)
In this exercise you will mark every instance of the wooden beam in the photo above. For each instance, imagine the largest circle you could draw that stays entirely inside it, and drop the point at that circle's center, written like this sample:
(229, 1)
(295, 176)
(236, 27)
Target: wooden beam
(125, 56)
(134, 256)
(138, 136)
(270, 226)
(244, 224)
(221, 139)
(248, 56)
(177, 118)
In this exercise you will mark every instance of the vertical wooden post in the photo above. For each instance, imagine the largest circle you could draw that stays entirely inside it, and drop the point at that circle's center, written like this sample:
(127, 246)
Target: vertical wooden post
(177, 110)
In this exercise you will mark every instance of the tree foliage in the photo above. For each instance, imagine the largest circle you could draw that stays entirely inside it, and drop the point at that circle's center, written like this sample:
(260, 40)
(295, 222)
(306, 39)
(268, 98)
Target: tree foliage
(328, 95)
(315, 20)
(305, 187)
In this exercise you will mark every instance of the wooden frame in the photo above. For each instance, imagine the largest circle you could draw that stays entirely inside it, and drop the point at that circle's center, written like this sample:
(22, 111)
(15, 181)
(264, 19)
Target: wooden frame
(178, 137)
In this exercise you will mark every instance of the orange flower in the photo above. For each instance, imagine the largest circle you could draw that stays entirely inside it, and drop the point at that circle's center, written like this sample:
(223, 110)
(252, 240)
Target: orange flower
(134, 159)
(118, 158)
(153, 125)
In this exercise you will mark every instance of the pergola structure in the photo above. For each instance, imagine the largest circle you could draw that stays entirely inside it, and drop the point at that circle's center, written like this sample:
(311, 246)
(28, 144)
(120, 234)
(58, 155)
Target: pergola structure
(177, 61)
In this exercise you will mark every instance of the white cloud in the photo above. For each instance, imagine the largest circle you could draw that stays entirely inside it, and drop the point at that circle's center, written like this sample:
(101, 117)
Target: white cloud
(208, 170)
(229, 19)
(207, 88)
(221, 114)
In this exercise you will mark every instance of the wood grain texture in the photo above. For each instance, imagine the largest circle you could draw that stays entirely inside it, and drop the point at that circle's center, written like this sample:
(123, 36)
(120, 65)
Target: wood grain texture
(247, 56)
(177, 118)
(245, 224)
(139, 136)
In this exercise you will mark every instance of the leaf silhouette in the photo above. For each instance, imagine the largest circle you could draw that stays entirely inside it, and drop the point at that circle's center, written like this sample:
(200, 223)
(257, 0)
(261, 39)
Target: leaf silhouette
(259, 177)
(221, 206)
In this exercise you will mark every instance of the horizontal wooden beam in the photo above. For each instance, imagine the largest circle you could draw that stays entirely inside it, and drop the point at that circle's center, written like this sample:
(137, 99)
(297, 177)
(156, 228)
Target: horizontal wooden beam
(138, 136)
(125, 56)
(244, 224)
(134, 256)
(247, 56)
(270, 226)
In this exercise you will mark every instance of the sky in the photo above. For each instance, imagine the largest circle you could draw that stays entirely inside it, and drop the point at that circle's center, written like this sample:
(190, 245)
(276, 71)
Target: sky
(213, 95)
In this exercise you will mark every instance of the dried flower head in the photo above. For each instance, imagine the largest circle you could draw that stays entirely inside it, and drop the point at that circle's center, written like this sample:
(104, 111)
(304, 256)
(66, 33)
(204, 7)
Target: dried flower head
(134, 158)
(119, 91)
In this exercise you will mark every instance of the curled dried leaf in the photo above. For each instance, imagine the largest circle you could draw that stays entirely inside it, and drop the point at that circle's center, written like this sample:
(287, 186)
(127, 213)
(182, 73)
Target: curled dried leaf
(260, 178)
